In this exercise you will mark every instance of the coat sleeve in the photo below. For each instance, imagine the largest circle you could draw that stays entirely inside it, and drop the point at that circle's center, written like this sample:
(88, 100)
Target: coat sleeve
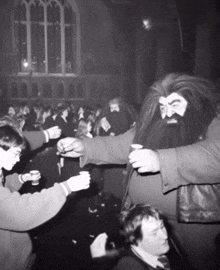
(198, 163)
(35, 139)
(12, 182)
(107, 150)
(25, 212)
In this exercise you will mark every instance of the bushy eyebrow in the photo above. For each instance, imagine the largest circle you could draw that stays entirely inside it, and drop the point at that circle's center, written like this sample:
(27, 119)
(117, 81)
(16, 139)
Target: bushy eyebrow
(173, 101)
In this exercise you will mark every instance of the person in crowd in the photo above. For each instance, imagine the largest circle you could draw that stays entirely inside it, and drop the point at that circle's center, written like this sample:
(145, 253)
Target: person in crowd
(84, 129)
(71, 167)
(33, 116)
(35, 140)
(50, 120)
(21, 119)
(24, 108)
(62, 120)
(116, 118)
(97, 116)
(21, 213)
(179, 130)
(44, 114)
(81, 112)
(144, 245)
(72, 113)
(13, 110)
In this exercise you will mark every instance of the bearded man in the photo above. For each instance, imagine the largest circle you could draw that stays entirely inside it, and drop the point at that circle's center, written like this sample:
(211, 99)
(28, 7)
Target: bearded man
(180, 133)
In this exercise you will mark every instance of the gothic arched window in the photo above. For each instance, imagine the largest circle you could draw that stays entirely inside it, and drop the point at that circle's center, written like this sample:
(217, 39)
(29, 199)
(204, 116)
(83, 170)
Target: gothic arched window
(47, 36)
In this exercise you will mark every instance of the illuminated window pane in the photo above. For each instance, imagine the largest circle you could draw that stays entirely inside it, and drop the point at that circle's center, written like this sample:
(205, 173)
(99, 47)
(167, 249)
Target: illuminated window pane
(20, 12)
(53, 12)
(37, 12)
(38, 27)
(70, 49)
(54, 49)
(69, 15)
(21, 44)
(37, 47)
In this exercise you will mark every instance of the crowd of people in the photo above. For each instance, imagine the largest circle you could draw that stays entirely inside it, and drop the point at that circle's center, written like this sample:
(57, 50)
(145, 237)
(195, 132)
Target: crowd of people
(168, 189)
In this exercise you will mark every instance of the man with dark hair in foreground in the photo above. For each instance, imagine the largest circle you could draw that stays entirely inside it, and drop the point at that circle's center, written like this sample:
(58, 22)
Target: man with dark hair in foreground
(147, 239)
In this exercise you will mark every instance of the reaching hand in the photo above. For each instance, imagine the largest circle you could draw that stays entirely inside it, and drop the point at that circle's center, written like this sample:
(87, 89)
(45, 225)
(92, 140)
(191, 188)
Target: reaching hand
(71, 147)
(54, 132)
(145, 160)
(97, 248)
(79, 182)
(31, 177)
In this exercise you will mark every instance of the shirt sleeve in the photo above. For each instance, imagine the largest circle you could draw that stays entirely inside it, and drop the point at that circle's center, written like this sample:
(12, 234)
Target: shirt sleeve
(35, 139)
(107, 150)
(25, 212)
(12, 182)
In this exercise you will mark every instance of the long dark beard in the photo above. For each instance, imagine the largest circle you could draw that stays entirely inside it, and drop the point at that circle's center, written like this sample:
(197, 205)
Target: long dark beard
(160, 135)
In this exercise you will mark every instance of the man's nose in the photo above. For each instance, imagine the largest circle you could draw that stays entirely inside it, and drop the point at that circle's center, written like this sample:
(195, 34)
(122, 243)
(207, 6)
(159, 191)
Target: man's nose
(170, 111)
(163, 233)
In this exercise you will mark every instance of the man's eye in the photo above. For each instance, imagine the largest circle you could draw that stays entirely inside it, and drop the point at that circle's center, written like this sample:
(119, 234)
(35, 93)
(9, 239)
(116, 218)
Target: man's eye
(176, 105)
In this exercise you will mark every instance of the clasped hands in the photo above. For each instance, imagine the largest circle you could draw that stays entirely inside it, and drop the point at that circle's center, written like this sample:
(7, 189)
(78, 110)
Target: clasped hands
(144, 160)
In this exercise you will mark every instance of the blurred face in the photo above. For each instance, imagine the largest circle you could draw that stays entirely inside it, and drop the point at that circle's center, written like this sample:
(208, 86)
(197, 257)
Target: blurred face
(114, 107)
(47, 114)
(11, 111)
(81, 110)
(65, 113)
(172, 105)
(26, 110)
(155, 239)
(89, 127)
(10, 157)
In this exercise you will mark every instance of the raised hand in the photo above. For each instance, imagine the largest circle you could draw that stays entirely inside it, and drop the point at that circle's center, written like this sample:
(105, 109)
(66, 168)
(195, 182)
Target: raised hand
(71, 147)
(54, 132)
(79, 182)
(145, 160)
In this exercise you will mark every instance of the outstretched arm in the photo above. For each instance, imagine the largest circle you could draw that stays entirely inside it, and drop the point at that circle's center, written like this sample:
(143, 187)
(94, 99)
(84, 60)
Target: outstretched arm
(99, 150)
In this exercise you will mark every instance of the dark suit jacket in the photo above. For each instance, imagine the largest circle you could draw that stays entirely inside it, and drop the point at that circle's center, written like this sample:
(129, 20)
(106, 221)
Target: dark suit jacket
(66, 127)
(131, 261)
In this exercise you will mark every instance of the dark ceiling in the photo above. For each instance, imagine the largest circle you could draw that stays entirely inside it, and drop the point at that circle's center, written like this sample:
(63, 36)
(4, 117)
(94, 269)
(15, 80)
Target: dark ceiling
(190, 8)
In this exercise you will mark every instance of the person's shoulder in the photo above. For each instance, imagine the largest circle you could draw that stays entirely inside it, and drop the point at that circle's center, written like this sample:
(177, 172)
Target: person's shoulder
(128, 262)
(214, 128)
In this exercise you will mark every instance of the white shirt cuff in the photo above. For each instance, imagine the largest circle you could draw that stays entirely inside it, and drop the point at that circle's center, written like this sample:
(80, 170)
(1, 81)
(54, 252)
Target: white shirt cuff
(47, 138)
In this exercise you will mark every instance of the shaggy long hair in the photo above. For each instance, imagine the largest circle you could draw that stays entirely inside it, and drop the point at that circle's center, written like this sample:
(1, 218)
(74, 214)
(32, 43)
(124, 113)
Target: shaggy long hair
(202, 97)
